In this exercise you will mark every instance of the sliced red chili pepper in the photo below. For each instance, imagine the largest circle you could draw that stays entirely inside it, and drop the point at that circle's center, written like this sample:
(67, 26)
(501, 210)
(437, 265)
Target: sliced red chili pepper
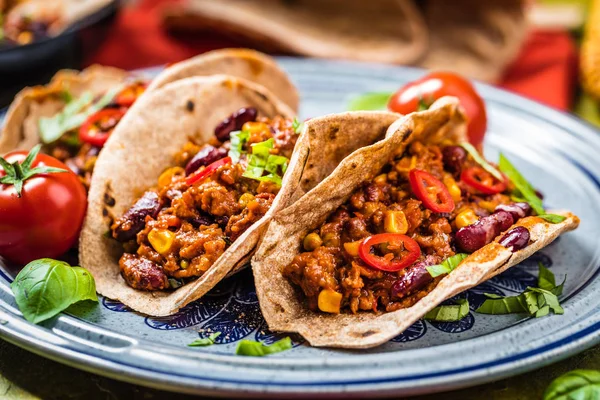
(206, 172)
(98, 127)
(481, 180)
(431, 191)
(409, 251)
(130, 94)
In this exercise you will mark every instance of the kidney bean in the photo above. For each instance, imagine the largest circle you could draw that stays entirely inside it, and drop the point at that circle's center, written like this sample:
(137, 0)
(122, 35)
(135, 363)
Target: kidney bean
(517, 210)
(414, 279)
(202, 220)
(235, 122)
(133, 221)
(454, 157)
(142, 274)
(515, 239)
(207, 155)
(475, 236)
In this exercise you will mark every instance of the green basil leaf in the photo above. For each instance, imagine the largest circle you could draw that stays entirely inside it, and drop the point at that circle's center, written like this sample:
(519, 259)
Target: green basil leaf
(258, 349)
(370, 101)
(46, 287)
(546, 279)
(207, 341)
(547, 298)
(297, 125)
(449, 313)
(237, 141)
(526, 190)
(481, 161)
(552, 218)
(558, 290)
(447, 266)
(498, 305)
(579, 384)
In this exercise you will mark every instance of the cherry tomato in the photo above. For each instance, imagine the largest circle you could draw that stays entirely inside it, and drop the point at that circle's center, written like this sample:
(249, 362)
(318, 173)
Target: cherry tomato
(409, 249)
(431, 87)
(45, 218)
(130, 94)
(206, 172)
(431, 191)
(481, 180)
(98, 127)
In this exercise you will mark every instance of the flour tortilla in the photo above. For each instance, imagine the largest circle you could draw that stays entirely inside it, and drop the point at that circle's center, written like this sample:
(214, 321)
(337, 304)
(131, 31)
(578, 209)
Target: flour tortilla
(143, 144)
(280, 302)
(243, 63)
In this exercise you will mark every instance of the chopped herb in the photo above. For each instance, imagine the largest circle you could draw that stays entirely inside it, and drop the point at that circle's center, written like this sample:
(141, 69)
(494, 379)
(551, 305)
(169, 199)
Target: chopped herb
(174, 283)
(449, 313)
(66, 96)
(481, 161)
(237, 140)
(447, 266)
(552, 218)
(207, 341)
(297, 125)
(258, 349)
(262, 160)
(369, 101)
(525, 190)
(546, 279)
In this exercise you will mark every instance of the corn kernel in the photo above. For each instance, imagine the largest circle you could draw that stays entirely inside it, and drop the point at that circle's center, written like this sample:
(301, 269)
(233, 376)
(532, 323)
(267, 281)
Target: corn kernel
(381, 179)
(487, 205)
(167, 176)
(395, 222)
(245, 199)
(453, 188)
(184, 264)
(352, 248)
(255, 127)
(25, 38)
(312, 241)
(465, 218)
(161, 240)
(330, 301)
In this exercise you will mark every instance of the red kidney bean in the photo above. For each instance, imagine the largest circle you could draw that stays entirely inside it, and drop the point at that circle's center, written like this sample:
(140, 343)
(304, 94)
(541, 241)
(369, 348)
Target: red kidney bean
(142, 274)
(517, 210)
(515, 239)
(454, 157)
(134, 219)
(207, 155)
(202, 220)
(235, 122)
(475, 236)
(414, 279)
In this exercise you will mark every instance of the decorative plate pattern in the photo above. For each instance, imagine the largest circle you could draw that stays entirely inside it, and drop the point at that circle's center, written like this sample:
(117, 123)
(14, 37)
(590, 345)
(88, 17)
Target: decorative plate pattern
(559, 154)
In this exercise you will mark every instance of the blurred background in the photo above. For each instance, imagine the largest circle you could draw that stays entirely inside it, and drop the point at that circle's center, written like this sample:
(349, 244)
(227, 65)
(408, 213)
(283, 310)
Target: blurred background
(544, 49)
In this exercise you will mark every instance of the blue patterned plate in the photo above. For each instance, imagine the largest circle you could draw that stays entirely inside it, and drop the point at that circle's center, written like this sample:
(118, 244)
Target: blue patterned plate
(559, 154)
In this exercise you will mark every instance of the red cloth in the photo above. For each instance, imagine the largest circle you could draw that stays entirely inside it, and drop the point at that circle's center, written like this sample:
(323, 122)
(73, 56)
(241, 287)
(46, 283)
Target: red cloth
(545, 69)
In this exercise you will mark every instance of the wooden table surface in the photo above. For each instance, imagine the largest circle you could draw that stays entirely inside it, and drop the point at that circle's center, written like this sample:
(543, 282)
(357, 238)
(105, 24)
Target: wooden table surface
(24, 375)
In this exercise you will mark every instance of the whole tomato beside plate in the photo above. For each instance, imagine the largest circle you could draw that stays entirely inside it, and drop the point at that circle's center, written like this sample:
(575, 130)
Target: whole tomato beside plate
(42, 206)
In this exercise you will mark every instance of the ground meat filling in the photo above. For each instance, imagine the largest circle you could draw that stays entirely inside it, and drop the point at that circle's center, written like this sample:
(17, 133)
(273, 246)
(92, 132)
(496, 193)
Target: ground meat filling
(176, 231)
(80, 158)
(332, 266)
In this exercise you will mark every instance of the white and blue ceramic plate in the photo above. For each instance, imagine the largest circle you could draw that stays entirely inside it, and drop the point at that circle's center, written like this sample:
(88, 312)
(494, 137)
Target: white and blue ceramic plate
(557, 152)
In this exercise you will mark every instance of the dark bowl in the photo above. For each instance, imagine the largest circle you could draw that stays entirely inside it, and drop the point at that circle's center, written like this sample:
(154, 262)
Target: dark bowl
(35, 63)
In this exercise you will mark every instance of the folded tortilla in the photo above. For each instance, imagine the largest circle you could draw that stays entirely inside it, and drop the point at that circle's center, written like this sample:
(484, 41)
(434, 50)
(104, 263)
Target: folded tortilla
(281, 305)
(142, 147)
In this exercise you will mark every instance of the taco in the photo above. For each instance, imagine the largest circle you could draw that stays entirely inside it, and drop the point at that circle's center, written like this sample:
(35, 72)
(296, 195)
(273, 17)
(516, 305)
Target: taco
(189, 179)
(352, 271)
(75, 113)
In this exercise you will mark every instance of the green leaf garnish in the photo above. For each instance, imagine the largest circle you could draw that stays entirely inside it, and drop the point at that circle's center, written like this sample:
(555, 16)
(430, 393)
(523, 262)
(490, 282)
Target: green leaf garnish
(258, 349)
(524, 188)
(447, 266)
(581, 384)
(546, 279)
(207, 341)
(552, 218)
(369, 101)
(46, 287)
(262, 160)
(73, 115)
(481, 161)
(297, 125)
(17, 173)
(449, 313)
(237, 140)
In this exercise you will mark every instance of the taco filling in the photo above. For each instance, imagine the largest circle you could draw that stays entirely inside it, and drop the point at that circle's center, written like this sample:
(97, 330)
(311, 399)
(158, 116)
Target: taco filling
(77, 133)
(426, 206)
(211, 195)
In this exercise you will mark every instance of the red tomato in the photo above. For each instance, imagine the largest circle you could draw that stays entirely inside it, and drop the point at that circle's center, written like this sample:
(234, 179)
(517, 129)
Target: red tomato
(45, 220)
(431, 191)
(410, 251)
(438, 84)
(98, 127)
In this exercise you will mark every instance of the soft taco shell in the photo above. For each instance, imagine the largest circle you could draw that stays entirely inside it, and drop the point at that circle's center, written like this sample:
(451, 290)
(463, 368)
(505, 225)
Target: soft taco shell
(243, 63)
(280, 302)
(143, 145)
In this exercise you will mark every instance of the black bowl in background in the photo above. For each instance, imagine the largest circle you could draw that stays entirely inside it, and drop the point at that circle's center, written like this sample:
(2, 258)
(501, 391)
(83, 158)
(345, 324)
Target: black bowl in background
(35, 63)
